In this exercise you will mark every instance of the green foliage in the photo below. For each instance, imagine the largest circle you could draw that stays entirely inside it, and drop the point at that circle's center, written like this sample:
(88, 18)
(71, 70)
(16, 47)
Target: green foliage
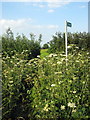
(18, 79)
(62, 91)
(11, 45)
(45, 46)
(44, 53)
(57, 43)
(47, 87)
(80, 40)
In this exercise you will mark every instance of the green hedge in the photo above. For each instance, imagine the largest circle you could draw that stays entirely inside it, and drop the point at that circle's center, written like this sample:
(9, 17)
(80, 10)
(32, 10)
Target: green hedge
(12, 45)
(46, 88)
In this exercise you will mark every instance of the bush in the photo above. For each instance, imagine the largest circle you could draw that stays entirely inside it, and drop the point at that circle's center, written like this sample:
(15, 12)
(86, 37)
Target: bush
(80, 40)
(62, 89)
(45, 46)
(46, 88)
(21, 43)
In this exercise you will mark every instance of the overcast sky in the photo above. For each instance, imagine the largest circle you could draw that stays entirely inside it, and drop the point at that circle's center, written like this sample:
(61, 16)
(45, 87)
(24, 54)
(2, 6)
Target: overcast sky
(43, 17)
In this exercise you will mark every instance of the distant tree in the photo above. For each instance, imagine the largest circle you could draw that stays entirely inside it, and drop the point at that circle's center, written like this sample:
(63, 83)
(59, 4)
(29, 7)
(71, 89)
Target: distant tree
(10, 45)
(80, 40)
(40, 38)
(57, 43)
(45, 46)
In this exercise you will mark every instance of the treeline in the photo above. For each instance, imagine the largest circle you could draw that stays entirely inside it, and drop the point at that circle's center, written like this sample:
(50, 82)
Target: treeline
(11, 45)
(78, 40)
(19, 44)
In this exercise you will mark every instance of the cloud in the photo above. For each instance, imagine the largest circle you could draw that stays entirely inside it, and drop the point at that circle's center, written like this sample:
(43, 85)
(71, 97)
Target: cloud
(57, 4)
(45, 0)
(50, 3)
(23, 25)
(14, 24)
(52, 26)
(27, 26)
(41, 6)
(38, 5)
(51, 10)
(83, 6)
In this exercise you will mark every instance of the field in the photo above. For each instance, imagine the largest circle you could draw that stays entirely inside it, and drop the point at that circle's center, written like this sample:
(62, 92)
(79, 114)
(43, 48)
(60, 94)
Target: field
(44, 53)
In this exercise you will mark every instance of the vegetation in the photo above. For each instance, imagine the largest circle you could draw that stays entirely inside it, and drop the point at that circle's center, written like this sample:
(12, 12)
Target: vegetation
(45, 46)
(80, 40)
(46, 86)
(10, 45)
(44, 53)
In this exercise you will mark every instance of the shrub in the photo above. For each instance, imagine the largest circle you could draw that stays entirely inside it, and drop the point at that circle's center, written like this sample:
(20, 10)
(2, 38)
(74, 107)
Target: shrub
(21, 43)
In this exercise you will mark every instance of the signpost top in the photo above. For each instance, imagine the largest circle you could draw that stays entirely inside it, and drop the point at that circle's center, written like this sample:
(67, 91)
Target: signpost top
(69, 24)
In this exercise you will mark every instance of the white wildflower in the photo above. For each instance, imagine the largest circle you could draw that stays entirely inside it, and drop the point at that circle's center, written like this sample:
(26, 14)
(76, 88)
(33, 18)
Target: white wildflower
(11, 70)
(72, 105)
(69, 46)
(13, 56)
(70, 81)
(63, 59)
(54, 55)
(77, 47)
(11, 61)
(53, 85)
(7, 57)
(15, 65)
(46, 107)
(59, 62)
(10, 82)
(79, 54)
(38, 56)
(51, 55)
(74, 110)
(74, 91)
(53, 64)
(83, 82)
(87, 53)
(58, 73)
(18, 63)
(62, 107)
(59, 82)
(77, 61)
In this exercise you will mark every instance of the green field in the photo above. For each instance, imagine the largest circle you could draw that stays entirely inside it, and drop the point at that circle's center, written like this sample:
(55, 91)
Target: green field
(44, 53)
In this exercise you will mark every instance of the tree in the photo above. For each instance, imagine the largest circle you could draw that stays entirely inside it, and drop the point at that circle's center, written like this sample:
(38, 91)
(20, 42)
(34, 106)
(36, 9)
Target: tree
(11, 46)
(45, 46)
(57, 43)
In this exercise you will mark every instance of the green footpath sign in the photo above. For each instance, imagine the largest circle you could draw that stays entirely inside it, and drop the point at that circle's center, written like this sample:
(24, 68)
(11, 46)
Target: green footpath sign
(69, 24)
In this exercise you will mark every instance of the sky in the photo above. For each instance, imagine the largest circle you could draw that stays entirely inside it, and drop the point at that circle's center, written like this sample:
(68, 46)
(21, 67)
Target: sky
(43, 17)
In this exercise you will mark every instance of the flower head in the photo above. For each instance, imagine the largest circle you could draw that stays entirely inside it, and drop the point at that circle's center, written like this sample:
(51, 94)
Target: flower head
(72, 105)
(53, 85)
(62, 107)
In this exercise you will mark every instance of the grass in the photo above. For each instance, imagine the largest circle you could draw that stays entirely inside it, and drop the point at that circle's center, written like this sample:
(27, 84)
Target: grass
(44, 53)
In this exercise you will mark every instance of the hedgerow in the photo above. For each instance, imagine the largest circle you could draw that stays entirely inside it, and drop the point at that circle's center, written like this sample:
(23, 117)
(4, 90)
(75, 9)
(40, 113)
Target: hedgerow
(47, 88)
